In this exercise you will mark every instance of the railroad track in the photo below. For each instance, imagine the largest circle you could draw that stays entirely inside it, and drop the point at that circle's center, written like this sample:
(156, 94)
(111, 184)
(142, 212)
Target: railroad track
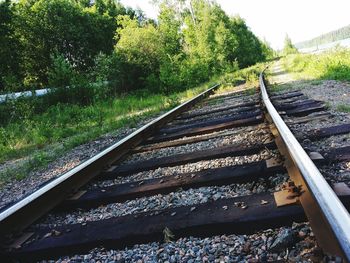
(235, 147)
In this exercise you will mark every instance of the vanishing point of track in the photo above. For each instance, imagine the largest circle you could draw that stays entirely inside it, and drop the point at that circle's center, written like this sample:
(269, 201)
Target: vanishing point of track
(307, 197)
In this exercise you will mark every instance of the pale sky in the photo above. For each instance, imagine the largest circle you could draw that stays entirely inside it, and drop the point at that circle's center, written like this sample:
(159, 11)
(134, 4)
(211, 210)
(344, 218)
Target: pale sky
(272, 19)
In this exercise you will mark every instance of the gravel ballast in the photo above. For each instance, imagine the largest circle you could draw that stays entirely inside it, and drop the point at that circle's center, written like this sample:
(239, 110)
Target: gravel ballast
(190, 197)
(190, 168)
(294, 243)
(247, 139)
(18, 189)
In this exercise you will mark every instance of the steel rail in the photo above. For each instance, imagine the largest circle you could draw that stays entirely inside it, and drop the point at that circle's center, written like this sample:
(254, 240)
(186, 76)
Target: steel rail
(328, 217)
(32, 207)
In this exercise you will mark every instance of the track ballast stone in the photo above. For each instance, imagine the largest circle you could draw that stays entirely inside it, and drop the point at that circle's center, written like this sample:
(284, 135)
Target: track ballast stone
(294, 243)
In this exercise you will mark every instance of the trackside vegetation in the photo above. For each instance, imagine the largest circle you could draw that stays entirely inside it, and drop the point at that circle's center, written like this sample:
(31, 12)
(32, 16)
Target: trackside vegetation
(108, 66)
(60, 43)
(44, 137)
(333, 64)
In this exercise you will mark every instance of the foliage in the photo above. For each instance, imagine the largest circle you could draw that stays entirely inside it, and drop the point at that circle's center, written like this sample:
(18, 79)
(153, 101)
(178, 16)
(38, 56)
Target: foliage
(191, 41)
(249, 49)
(267, 52)
(249, 76)
(339, 34)
(61, 73)
(63, 128)
(9, 49)
(333, 64)
(170, 37)
(106, 65)
(139, 46)
(288, 48)
(343, 108)
(42, 28)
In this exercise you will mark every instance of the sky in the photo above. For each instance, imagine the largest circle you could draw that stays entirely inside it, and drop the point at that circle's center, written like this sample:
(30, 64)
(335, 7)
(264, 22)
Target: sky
(273, 19)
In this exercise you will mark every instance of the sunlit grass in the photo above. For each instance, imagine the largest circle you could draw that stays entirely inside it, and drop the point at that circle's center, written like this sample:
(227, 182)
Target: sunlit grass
(333, 64)
(74, 124)
(65, 121)
(249, 75)
(44, 137)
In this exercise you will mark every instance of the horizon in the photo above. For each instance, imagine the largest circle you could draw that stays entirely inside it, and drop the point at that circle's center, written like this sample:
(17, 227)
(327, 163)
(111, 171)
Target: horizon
(272, 20)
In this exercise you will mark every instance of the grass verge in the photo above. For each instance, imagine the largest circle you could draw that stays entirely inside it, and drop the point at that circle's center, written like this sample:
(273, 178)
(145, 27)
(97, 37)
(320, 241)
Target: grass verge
(47, 136)
(333, 64)
(42, 138)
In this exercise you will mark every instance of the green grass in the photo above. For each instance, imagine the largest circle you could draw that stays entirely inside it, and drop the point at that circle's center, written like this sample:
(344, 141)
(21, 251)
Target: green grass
(41, 138)
(248, 75)
(73, 124)
(72, 121)
(343, 108)
(311, 69)
(333, 64)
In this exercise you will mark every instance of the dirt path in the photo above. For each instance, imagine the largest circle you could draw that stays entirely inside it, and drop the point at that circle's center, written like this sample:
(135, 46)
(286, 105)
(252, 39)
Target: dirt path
(279, 76)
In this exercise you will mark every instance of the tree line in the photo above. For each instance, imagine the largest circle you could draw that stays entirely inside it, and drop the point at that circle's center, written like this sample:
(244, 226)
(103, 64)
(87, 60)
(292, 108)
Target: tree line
(81, 43)
(339, 34)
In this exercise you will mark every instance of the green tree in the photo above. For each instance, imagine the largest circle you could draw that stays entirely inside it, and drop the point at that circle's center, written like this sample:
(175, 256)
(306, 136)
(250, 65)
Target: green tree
(61, 73)
(60, 42)
(249, 50)
(10, 71)
(289, 48)
(84, 3)
(267, 51)
(208, 41)
(169, 26)
(139, 46)
(65, 27)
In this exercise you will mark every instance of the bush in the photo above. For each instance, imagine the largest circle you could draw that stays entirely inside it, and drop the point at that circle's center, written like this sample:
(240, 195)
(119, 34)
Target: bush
(69, 86)
(333, 64)
(169, 75)
(107, 70)
(62, 73)
(11, 83)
